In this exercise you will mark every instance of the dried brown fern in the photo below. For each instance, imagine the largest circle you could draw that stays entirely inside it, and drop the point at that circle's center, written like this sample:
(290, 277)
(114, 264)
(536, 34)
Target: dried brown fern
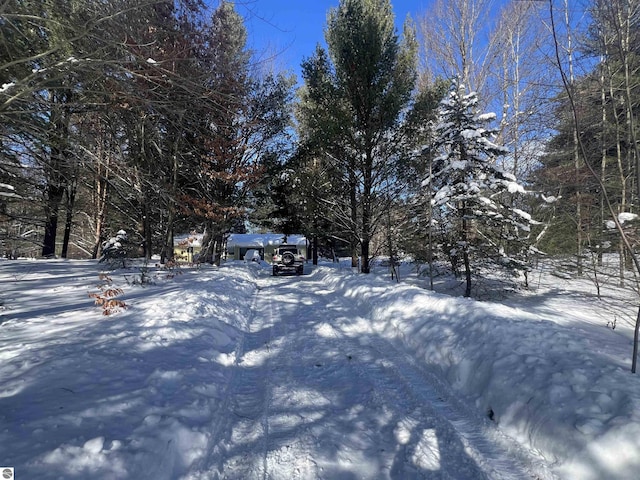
(106, 297)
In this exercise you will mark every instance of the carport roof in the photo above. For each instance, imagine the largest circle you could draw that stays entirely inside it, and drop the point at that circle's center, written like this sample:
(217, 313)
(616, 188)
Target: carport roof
(261, 240)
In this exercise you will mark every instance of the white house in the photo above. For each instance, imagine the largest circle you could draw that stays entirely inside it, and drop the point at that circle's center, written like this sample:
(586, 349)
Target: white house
(265, 243)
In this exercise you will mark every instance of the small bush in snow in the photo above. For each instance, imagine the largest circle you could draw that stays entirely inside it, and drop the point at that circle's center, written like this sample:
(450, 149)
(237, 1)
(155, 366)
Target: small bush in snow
(114, 250)
(143, 279)
(172, 268)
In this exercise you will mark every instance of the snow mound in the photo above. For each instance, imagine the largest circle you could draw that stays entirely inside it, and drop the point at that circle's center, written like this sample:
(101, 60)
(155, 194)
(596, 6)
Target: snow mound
(555, 388)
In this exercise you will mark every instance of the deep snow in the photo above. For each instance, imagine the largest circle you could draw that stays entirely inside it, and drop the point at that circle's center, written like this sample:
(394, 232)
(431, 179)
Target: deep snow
(214, 373)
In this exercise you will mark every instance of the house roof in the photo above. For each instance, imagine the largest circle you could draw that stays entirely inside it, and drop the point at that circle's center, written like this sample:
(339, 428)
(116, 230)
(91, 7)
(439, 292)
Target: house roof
(261, 240)
(244, 240)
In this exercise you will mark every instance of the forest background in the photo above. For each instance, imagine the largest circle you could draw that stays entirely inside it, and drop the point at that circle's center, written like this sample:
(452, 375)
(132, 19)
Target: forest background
(156, 118)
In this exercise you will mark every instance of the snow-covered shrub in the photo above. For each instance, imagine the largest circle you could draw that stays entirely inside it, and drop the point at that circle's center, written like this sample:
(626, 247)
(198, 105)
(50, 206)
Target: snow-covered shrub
(143, 278)
(475, 206)
(114, 250)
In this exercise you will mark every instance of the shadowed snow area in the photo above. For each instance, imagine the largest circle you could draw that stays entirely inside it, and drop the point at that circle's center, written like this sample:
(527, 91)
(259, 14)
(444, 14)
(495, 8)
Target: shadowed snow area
(229, 373)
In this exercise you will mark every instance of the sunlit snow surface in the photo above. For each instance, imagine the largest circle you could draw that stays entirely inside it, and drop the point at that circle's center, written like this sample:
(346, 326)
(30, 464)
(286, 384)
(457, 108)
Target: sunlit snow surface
(231, 373)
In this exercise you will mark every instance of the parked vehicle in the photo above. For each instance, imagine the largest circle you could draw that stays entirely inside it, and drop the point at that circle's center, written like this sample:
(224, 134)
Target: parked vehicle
(252, 256)
(289, 259)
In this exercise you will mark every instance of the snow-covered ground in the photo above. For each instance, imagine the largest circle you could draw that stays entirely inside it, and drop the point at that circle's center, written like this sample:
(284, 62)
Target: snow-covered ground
(231, 373)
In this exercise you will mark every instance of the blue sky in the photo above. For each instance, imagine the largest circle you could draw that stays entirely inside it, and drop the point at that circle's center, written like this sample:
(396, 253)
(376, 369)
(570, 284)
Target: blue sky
(290, 29)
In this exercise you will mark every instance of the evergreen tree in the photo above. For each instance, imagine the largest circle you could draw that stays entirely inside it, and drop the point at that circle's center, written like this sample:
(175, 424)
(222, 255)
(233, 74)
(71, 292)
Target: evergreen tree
(245, 118)
(470, 195)
(353, 102)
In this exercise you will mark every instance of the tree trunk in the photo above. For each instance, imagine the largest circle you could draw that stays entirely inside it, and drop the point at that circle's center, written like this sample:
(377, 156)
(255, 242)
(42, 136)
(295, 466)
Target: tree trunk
(212, 245)
(314, 240)
(430, 216)
(57, 163)
(367, 188)
(622, 174)
(218, 249)
(467, 272)
(354, 254)
(365, 256)
(603, 164)
(578, 205)
(71, 199)
(148, 237)
(100, 201)
(465, 250)
(636, 334)
(53, 199)
(315, 250)
(206, 253)
(576, 153)
(144, 228)
(167, 244)
(167, 251)
(354, 216)
(392, 265)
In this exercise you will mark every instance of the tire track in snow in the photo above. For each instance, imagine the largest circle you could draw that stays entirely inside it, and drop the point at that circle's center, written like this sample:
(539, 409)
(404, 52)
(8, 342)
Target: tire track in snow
(210, 467)
(283, 457)
(424, 442)
(499, 456)
(248, 433)
(244, 449)
(243, 441)
(427, 397)
(310, 399)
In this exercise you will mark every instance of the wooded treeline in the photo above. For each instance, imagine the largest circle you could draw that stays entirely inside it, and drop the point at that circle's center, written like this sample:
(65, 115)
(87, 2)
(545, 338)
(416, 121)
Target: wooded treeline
(154, 117)
(148, 116)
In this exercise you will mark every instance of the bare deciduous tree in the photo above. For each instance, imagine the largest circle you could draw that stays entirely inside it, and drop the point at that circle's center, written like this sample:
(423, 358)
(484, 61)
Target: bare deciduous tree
(456, 42)
(624, 14)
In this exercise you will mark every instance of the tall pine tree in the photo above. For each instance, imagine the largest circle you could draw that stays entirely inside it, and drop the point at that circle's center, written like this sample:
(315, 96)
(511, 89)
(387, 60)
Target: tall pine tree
(370, 74)
(244, 123)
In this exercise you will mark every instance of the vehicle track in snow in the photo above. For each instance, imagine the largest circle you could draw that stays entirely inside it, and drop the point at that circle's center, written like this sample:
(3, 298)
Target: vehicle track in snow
(211, 465)
(471, 437)
(309, 399)
(241, 435)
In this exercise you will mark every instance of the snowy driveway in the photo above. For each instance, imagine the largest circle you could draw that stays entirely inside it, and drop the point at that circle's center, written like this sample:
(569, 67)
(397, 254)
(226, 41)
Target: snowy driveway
(313, 396)
(230, 373)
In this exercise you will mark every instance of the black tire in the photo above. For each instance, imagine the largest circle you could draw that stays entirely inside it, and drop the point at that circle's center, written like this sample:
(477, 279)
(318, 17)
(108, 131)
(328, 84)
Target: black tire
(300, 270)
(275, 271)
(288, 259)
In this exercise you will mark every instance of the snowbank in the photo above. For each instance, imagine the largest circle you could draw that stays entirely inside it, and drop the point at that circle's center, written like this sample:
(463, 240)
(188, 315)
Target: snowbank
(564, 390)
(129, 395)
(138, 394)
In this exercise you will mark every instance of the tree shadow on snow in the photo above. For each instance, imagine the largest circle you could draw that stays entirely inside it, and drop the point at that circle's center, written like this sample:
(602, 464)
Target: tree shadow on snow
(334, 409)
(129, 399)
